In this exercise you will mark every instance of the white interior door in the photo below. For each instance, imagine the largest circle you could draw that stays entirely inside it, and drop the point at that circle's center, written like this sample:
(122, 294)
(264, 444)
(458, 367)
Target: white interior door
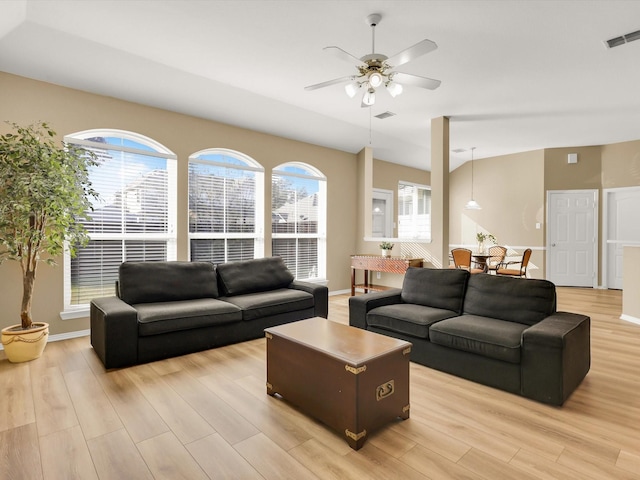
(382, 213)
(622, 227)
(572, 230)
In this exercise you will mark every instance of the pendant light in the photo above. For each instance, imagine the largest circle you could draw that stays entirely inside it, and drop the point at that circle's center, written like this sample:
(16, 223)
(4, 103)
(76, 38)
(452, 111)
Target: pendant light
(472, 204)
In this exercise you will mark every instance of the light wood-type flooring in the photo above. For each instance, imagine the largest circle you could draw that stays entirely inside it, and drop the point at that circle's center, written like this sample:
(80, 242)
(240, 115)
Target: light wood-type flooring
(207, 415)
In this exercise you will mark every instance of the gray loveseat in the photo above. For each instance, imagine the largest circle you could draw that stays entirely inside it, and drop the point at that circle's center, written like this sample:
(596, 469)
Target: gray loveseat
(164, 309)
(499, 331)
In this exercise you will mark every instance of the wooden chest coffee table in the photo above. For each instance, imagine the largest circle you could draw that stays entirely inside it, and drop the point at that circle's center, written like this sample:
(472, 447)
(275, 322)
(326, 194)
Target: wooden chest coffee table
(352, 380)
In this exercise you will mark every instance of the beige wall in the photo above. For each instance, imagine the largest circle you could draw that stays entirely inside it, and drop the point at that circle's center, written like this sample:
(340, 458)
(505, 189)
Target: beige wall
(24, 101)
(386, 176)
(561, 175)
(510, 190)
(621, 165)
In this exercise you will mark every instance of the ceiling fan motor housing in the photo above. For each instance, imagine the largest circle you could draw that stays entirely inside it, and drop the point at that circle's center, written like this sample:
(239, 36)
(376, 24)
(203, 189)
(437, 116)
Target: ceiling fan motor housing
(373, 19)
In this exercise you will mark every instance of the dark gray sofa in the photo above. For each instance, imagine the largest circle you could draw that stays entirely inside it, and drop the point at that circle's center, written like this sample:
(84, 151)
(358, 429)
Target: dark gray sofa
(164, 309)
(499, 331)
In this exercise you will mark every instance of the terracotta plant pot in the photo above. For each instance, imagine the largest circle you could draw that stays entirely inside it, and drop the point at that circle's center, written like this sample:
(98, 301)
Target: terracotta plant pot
(25, 345)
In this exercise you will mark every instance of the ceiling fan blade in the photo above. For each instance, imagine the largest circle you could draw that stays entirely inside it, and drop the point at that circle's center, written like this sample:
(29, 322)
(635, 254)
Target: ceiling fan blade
(328, 83)
(420, 48)
(346, 56)
(415, 80)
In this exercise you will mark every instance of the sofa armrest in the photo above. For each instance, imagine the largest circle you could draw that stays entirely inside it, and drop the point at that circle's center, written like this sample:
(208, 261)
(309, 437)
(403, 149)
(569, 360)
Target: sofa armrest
(114, 331)
(360, 305)
(556, 356)
(320, 296)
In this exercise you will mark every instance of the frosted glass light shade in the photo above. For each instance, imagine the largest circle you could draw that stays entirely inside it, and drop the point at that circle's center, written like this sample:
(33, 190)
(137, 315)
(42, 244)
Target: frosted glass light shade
(472, 205)
(375, 79)
(369, 97)
(352, 89)
(394, 89)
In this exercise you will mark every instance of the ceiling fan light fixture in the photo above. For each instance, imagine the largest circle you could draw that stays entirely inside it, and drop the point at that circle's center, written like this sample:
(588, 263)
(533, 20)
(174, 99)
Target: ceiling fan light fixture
(394, 89)
(351, 89)
(369, 97)
(375, 79)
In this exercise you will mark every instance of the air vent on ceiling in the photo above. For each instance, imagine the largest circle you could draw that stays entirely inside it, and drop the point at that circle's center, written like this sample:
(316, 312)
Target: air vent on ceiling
(384, 115)
(621, 40)
(459, 150)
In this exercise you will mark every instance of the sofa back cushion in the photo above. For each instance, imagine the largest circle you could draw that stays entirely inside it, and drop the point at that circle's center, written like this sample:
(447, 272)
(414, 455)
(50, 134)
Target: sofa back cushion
(438, 288)
(521, 300)
(147, 282)
(250, 276)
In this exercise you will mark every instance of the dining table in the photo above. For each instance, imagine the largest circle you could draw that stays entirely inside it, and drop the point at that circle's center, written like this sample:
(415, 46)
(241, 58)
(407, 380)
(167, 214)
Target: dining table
(481, 260)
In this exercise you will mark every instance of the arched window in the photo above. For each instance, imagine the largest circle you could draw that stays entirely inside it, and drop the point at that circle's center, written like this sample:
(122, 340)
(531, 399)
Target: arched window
(226, 206)
(299, 219)
(134, 218)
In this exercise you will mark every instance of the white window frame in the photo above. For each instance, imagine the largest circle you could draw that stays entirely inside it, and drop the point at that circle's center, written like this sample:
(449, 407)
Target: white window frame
(253, 166)
(387, 215)
(409, 222)
(170, 237)
(321, 235)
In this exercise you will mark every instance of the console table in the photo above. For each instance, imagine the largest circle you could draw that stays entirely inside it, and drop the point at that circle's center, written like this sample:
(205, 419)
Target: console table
(377, 263)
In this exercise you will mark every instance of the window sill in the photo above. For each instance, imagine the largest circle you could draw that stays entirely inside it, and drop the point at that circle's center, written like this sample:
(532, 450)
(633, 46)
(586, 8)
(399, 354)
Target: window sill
(74, 313)
(397, 240)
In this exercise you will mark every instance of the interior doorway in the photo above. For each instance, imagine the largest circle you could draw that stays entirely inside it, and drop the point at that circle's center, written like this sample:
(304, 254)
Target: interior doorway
(382, 213)
(572, 237)
(621, 226)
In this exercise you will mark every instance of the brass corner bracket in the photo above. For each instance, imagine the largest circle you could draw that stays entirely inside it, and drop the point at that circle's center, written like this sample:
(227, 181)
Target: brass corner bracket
(355, 436)
(355, 370)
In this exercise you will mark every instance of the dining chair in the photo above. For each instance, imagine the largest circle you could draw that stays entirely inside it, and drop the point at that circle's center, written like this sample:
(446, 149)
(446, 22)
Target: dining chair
(462, 260)
(506, 269)
(496, 259)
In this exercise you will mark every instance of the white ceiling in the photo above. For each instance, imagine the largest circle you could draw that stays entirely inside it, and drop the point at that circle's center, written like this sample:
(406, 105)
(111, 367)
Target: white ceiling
(516, 75)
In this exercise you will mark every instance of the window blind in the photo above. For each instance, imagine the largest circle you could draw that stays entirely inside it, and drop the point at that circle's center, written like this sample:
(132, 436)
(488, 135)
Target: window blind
(133, 220)
(298, 220)
(225, 204)
(414, 211)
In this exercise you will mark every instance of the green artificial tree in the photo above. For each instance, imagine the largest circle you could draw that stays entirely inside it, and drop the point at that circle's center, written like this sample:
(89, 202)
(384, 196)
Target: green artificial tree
(44, 193)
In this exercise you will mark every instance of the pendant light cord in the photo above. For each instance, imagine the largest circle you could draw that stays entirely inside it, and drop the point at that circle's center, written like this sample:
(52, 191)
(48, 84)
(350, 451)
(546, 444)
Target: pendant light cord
(472, 149)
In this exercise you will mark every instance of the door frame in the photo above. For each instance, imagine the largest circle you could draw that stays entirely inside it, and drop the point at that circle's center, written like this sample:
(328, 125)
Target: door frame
(605, 230)
(596, 209)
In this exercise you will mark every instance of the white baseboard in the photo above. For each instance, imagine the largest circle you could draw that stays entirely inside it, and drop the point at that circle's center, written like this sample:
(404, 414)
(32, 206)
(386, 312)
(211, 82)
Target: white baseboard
(339, 292)
(629, 318)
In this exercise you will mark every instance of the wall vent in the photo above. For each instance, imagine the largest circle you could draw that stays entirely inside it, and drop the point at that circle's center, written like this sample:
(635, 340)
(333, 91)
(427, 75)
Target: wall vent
(621, 40)
(384, 115)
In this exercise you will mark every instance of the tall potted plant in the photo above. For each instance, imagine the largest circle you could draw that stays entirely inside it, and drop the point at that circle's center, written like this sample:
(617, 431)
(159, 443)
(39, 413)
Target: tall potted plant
(44, 191)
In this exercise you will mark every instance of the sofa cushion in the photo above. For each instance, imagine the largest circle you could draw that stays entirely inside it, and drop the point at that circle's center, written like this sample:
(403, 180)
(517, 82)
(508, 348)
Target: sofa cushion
(519, 300)
(438, 288)
(148, 282)
(164, 317)
(407, 318)
(273, 302)
(257, 275)
(484, 336)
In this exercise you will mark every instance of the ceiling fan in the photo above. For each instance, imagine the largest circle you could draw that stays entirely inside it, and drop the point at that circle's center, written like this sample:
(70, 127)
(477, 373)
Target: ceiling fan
(375, 69)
